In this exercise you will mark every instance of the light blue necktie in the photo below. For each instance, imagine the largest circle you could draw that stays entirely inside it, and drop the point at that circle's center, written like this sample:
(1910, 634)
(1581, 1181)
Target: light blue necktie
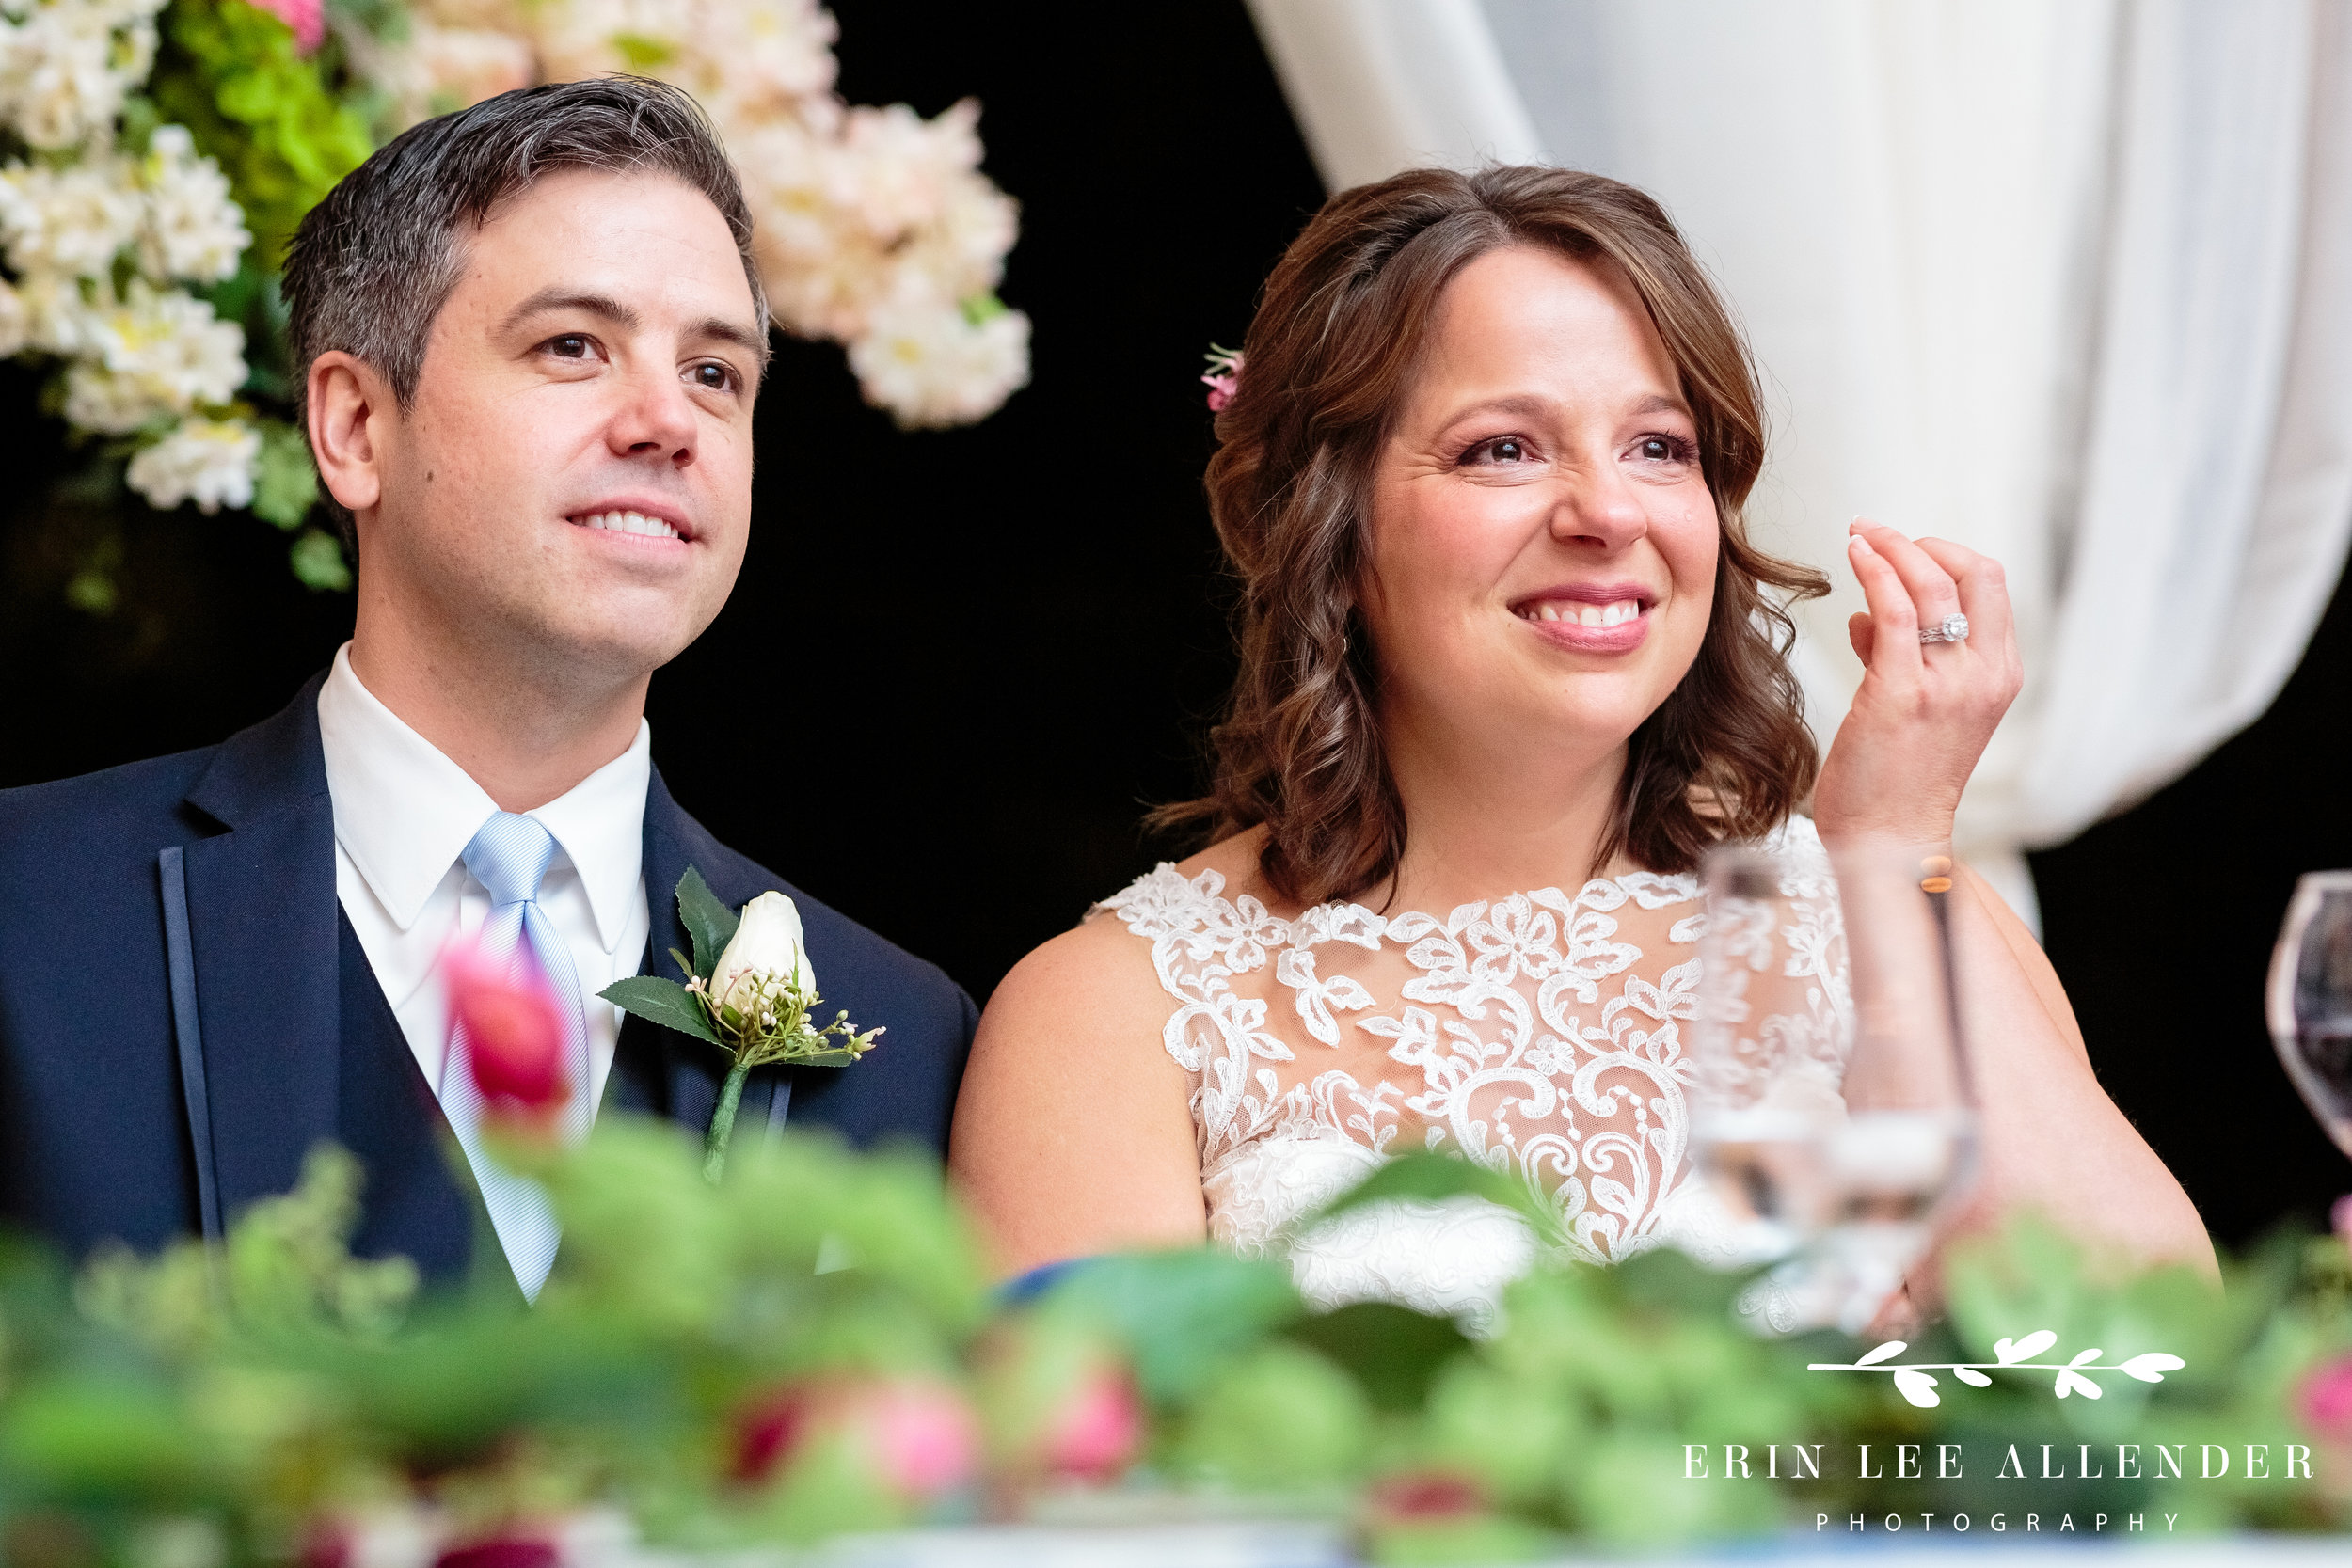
(509, 857)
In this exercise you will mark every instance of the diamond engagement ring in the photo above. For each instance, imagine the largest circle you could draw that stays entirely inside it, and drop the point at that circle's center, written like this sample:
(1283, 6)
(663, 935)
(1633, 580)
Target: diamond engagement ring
(1952, 629)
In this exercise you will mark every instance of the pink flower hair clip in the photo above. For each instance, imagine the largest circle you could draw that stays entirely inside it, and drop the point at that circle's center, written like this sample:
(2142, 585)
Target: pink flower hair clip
(1224, 378)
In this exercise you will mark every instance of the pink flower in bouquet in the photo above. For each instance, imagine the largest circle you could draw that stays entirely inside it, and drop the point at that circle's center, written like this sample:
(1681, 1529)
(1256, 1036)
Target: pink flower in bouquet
(400, 1533)
(1098, 1431)
(769, 1431)
(508, 1551)
(1062, 1404)
(514, 1033)
(925, 1438)
(2328, 1399)
(1426, 1496)
(308, 17)
(918, 1434)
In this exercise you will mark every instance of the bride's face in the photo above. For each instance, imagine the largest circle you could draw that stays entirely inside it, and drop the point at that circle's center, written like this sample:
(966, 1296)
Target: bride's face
(1542, 541)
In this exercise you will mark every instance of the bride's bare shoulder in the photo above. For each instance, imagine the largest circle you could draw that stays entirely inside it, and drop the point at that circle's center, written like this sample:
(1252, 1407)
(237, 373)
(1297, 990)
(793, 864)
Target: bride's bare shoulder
(1073, 1130)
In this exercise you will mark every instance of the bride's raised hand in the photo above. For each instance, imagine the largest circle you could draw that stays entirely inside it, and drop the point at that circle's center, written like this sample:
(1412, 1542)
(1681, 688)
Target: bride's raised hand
(1925, 710)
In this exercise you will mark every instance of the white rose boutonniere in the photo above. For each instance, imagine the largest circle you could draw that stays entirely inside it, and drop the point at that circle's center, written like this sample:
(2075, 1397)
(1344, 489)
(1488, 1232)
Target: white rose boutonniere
(749, 990)
(767, 950)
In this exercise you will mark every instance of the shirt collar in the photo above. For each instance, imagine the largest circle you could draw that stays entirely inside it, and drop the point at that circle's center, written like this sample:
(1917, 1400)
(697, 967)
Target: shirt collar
(404, 812)
(600, 822)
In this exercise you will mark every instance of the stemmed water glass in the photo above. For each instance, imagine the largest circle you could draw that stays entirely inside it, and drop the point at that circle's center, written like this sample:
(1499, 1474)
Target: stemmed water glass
(2308, 1000)
(1831, 1117)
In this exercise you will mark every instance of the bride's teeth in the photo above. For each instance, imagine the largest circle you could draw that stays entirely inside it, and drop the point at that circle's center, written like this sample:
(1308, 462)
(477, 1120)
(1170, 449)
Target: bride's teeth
(1594, 615)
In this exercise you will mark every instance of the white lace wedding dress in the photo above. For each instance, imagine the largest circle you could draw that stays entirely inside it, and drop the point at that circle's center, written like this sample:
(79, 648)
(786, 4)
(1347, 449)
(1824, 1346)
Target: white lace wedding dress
(1543, 1033)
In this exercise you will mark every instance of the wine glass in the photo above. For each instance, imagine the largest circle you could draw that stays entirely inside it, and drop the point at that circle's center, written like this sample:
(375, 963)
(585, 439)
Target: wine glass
(1831, 1117)
(2309, 998)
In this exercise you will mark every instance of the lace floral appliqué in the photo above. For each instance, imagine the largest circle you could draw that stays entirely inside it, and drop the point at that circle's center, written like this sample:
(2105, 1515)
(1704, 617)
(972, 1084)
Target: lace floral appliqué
(1542, 1034)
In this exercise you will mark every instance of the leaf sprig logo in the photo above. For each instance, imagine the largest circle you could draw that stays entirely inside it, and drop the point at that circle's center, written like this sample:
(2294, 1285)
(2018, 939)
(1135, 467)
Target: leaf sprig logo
(1914, 1381)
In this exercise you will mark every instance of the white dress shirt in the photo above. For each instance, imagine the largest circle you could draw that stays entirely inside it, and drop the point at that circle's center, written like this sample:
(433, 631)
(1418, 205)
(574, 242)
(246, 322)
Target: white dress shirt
(403, 813)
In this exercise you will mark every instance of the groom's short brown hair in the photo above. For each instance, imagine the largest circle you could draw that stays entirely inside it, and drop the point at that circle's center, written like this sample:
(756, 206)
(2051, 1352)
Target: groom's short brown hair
(372, 265)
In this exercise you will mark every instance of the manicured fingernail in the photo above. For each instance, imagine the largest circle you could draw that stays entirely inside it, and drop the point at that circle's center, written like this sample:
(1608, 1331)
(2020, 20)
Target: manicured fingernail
(1861, 544)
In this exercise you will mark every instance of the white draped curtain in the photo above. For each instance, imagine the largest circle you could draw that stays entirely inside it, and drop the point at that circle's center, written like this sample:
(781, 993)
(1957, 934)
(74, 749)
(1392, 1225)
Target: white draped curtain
(2069, 281)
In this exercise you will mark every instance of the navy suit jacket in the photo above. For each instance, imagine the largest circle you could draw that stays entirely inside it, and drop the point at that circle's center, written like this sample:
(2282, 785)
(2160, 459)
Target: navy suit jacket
(169, 1005)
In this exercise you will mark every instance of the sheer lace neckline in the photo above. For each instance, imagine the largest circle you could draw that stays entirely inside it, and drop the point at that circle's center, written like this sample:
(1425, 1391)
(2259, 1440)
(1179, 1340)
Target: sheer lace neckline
(1541, 1032)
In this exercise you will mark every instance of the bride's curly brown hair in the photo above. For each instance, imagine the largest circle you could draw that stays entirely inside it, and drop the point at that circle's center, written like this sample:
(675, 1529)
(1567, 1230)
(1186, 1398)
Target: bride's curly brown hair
(1337, 336)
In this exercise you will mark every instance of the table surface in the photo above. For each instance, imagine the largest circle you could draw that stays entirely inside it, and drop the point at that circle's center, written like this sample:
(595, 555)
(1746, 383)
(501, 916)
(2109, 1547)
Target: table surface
(1293, 1545)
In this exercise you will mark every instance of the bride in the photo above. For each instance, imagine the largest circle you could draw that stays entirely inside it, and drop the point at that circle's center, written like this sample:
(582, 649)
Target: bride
(1508, 666)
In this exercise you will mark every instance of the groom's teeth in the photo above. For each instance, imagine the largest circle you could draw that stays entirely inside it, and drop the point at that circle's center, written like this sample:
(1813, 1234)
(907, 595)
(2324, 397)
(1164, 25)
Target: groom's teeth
(630, 522)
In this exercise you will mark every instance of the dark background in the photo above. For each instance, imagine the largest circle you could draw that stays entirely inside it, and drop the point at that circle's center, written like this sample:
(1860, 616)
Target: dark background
(996, 645)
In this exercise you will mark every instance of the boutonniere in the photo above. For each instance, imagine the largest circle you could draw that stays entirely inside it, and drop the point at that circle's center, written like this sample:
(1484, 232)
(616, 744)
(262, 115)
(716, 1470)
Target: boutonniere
(749, 990)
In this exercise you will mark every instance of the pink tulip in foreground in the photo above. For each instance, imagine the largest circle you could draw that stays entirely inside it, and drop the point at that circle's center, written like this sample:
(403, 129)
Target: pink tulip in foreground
(1099, 1430)
(1062, 1404)
(513, 1034)
(918, 1435)
(2328, 1400)
(1425, 1497)
(515, 1551)
(308, 17)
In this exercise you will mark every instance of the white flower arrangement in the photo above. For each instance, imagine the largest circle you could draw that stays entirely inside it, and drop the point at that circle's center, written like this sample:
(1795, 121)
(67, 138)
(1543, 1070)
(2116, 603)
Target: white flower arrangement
(66, 67)
(874, 227)
(209, 461)
(100, 241)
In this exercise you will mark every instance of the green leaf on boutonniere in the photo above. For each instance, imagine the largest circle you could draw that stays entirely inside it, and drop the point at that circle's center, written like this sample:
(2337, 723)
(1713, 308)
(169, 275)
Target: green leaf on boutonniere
(825, 1058)
(710, 922)
(662, 1002)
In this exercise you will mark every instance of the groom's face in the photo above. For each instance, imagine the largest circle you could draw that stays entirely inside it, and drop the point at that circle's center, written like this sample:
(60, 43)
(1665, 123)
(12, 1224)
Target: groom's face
(573, 479)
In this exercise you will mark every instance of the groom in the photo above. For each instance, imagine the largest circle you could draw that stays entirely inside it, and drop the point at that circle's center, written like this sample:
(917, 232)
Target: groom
(533, 334)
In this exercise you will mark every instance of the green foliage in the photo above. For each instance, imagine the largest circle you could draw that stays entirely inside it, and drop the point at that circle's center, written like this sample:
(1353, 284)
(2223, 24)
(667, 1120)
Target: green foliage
(230, 74)
(255, 1388)
(709, 922)
(662, 1002)
(1422, 1176)
(285, 1271)
(286, 483)
(317, 560)
(1394, 1353)
(1279, 1418)
(644, 55)
(2249, 1349)
(1182, 1315)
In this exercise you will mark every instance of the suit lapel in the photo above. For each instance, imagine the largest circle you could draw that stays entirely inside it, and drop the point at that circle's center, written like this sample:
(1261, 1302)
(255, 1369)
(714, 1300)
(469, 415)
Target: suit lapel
(687, 1070)
(261, 918)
